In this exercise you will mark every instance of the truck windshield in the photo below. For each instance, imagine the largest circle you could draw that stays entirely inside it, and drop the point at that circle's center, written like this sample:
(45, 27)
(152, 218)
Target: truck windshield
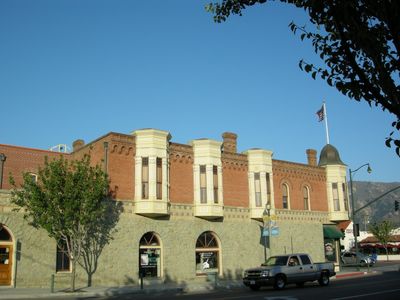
(276, 261)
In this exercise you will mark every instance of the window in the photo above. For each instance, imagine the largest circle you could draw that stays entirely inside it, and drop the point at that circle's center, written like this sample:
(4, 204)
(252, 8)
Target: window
(145, 178)
(207, 253)
(150, 255)
(33, 177)
(62, 261)
(268, 181)
(4, 235)
(306, 198)
(257, 188)
(203, 184)
(215, 183)
(345, 199)
(335, 192)
(285, 196)
(159, 178)
(305, 259)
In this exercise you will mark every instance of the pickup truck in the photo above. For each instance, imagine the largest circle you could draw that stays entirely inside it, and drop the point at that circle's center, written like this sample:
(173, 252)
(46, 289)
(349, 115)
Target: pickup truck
(291, 268)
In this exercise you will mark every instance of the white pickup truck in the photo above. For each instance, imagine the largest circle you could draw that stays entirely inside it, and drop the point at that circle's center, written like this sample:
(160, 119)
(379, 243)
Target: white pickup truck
(291, 268)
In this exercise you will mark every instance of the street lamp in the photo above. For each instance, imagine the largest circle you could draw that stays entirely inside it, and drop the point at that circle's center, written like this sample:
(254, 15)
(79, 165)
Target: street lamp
(267, 212)
(353, 214)
(2, 160)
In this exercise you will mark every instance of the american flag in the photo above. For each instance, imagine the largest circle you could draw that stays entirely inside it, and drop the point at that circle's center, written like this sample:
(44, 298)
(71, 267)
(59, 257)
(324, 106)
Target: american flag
(321, 114)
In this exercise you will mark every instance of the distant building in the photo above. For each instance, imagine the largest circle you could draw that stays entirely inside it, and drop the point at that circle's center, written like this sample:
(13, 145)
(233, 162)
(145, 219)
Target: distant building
(189, 209)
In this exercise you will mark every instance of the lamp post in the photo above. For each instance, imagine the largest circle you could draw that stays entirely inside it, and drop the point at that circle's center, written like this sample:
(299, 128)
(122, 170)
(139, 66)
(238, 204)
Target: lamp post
(267, 212)
(353, 213)
(2, 160)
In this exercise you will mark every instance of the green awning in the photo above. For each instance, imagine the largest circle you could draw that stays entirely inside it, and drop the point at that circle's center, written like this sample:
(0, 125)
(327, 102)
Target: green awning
(332, 232)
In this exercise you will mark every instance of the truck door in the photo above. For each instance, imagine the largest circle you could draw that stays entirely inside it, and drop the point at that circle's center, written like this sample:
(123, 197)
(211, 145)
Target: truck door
(294, 269)
(309, 271)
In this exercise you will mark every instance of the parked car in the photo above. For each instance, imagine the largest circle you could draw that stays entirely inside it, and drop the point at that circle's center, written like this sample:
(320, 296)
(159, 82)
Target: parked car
(350, 258)
(374, 257)
(284, 269)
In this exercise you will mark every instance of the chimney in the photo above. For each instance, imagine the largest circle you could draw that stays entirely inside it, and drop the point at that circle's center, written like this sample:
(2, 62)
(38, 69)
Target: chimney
(312, 157)
(78, 144)
(229, 143)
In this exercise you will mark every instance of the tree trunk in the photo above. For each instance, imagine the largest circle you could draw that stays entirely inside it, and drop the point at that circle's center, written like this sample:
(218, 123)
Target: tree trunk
(89, 283)
(73, 275)
(387, 254)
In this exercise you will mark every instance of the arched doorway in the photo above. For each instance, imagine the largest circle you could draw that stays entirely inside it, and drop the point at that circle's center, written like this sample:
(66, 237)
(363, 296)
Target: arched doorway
(150, 255)
(6, 255)
(208, 254)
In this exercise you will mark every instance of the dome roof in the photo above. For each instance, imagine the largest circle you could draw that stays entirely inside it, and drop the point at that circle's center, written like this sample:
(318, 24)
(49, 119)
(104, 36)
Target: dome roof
(329, 156)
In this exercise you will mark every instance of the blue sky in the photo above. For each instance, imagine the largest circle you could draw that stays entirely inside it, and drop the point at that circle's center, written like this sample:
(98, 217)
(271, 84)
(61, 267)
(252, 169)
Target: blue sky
(74, 69)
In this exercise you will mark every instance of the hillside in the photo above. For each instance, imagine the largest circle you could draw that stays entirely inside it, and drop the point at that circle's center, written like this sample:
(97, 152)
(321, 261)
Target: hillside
(365, 192)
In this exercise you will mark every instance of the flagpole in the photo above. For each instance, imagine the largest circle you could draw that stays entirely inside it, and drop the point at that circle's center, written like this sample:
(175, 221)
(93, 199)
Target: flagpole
(326, 123)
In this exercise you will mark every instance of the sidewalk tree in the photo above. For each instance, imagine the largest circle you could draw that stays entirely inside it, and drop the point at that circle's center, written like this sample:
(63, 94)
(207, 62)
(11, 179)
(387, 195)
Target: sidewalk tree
(382, 231)
(358, 42)
(70, 201)
(99, 235)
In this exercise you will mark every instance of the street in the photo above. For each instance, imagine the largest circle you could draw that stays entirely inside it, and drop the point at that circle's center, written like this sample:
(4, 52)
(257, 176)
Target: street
(381, 286)
(385, 286)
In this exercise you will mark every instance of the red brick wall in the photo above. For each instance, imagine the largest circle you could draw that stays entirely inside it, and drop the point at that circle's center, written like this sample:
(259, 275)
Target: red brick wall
(181, 174)
(296, 176)
(121, 170)
(121, 162)
(21, 159)
(235, 182)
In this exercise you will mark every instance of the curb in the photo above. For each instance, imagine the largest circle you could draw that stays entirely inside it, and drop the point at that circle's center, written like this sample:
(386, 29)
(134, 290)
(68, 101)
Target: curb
(359, 273)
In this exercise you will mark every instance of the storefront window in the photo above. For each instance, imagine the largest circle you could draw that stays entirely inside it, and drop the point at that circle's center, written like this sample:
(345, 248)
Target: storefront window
(207, 254)
(150, 255)
(330, 250)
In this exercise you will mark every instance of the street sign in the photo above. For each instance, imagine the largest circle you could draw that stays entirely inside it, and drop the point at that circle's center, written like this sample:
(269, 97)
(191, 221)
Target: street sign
(265, 232)
(267, 218)
(275, 231)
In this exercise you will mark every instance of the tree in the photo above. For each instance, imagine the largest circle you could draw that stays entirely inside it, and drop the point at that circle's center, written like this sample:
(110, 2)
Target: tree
(382, 232)
(99, 235)
(69, 201)
(359, 43)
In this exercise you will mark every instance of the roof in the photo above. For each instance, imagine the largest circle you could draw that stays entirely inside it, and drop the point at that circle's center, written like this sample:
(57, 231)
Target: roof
(342, 226)
(373, 239)
(329, 156)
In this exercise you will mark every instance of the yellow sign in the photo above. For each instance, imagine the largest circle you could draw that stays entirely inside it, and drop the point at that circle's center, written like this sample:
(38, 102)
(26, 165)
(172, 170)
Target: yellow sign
(267, 218)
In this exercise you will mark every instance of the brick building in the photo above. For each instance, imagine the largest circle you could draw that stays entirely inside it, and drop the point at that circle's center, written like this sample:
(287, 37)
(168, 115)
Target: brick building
(189, 209)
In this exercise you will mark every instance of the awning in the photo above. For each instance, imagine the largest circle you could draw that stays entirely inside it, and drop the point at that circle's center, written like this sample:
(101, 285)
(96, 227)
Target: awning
(332, 232)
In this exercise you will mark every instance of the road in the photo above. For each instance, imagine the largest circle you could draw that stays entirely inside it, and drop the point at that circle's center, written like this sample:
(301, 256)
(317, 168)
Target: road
(378, 286)
(383, 284)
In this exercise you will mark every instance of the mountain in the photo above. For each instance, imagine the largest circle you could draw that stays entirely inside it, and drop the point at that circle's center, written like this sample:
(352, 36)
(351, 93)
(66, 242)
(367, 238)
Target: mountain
(382, 209)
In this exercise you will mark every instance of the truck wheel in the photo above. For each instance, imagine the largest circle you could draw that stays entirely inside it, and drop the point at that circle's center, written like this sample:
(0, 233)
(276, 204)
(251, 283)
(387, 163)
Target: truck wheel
(254, 287)
(280, 282)
(324, 279)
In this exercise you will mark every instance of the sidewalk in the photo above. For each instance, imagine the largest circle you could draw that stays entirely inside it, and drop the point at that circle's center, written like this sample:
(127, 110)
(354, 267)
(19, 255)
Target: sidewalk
(26, 293)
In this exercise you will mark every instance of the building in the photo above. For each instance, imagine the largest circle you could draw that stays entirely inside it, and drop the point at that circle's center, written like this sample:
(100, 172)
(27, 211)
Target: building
(189, 209)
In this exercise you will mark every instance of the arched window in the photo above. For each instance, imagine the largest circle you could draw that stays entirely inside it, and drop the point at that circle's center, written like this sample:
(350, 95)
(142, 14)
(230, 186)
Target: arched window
(150, 255)
(4, 234)
(207, 253)
(6, 255)
(63, 263)
(306, 198)
(33, 177)
(285, 196)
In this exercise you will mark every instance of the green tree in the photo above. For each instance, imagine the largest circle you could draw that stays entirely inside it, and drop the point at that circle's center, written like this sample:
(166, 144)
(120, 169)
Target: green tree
(359, 43)
(382, 232)
(69, 201)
